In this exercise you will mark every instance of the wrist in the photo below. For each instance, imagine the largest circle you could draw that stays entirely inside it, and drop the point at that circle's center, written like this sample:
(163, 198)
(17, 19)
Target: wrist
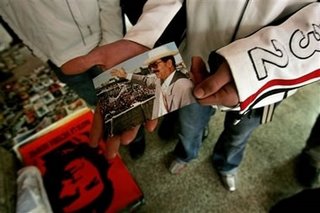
(135, 48)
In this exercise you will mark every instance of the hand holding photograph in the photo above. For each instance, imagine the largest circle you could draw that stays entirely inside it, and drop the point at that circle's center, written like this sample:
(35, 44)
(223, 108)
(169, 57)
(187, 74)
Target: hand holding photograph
(143, 88)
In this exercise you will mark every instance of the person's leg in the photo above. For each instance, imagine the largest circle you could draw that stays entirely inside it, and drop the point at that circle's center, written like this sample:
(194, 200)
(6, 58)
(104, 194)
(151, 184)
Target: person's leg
(137, 146)
(192, 121)
(313, 143)
(168, 128)
(308, 165)
(229, 149)
(306, 200)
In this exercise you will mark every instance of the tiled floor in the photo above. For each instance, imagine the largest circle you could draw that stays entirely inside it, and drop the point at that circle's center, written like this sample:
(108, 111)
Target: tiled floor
(265, 176)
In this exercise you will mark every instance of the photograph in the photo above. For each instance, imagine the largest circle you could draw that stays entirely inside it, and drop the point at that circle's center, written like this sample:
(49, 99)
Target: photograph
(47, 97)
(145, 87)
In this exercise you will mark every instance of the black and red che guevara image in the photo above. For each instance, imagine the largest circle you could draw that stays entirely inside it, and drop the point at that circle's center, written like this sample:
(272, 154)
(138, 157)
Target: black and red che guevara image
(78, 178)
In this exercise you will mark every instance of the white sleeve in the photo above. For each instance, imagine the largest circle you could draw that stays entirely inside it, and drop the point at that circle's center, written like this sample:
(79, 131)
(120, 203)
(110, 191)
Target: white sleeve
(276, 59)
(111, 21)
(155, 17)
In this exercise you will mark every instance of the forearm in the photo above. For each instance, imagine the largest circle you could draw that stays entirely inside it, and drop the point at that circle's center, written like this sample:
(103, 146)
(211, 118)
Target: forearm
(106, 56)
(276, 59)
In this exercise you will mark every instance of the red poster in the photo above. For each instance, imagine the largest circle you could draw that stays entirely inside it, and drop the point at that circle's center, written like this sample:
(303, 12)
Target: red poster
(78, 178)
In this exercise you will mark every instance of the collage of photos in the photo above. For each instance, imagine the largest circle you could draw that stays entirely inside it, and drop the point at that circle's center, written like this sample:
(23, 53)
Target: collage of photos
(142, 88)
(32, 103)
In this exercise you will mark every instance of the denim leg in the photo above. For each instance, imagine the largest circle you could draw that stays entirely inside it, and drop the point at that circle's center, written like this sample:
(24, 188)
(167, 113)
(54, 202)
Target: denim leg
(229, 149)
(81, 84)
(192, 121)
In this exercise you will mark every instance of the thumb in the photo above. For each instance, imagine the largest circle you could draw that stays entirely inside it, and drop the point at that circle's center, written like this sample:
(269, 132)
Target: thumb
(198, 70)
(213, 83)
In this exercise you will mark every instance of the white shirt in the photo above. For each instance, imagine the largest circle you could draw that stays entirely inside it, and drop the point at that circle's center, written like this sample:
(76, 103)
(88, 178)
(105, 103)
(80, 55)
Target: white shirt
(164, 108)
(212, 25)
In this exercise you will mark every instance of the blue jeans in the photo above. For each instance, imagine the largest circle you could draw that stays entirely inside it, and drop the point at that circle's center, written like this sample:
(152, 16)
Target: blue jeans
(229, 149)
(82, 83)
(192, 121)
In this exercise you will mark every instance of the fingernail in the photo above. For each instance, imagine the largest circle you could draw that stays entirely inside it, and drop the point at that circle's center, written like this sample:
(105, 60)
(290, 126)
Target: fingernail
(198, 92)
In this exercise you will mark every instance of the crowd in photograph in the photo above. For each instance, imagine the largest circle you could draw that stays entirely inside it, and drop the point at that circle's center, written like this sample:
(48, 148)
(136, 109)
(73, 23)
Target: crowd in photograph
(119, 97)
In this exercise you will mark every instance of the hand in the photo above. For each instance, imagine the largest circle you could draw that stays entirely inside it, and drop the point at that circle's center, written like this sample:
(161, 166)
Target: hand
(112, 143)
(106, 56)
(216, 89)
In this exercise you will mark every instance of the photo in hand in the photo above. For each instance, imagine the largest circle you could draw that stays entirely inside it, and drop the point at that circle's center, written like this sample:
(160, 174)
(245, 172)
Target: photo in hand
(142, 88)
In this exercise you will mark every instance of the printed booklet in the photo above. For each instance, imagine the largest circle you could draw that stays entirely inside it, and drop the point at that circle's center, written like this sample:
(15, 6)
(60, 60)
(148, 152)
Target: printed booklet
(144, 87)
(77, 177)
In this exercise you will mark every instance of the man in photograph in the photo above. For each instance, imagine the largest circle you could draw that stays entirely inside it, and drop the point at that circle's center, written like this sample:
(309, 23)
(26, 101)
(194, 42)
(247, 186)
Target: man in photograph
(173, 87)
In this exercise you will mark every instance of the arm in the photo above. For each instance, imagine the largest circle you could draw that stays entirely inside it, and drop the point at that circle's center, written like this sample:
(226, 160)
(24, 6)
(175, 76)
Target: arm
(106, 56)
(273, 60)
